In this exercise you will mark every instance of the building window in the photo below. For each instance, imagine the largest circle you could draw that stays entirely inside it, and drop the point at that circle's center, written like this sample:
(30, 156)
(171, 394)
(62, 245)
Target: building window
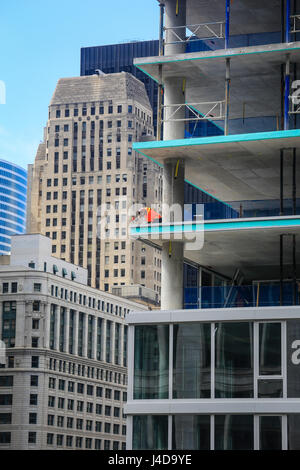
(151, 382)
(31, 437)
(33, 399)
(51, 402)
(193, 379)
(37, 287)
(36, 306)
(234, 432)
(35, 361)
(35, 323)
(32, 418)
(157, 435)
(34, 342)
(34, 380)
(14, 287)
(61, 402)
(50, 420)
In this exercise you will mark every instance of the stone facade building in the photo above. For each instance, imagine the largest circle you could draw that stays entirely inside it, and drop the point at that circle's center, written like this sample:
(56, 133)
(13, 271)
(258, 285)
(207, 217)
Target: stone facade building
(85, 162)
(63, 354)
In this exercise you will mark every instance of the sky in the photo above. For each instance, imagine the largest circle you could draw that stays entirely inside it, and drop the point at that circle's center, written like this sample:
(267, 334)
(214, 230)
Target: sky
(40, 42)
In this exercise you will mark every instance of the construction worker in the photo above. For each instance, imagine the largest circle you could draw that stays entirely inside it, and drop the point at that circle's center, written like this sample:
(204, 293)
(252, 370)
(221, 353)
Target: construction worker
(150, 215)
(147, 215)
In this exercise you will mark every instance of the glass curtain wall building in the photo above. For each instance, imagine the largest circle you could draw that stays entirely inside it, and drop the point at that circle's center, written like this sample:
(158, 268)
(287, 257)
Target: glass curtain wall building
(13, 194)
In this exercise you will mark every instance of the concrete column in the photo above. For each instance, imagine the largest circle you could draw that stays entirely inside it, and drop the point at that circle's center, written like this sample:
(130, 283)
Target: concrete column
(47, 326)
(103, 341)
(67, 330)
(174, 94)
(121, 345)
(175, 15)
(113, 336)
(76, 322)
(85, 335)
(173, 194)
(57, 328)
(95, 326)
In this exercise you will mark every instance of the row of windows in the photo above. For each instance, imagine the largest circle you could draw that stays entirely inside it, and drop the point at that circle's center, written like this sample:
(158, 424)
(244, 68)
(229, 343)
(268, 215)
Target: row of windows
(82, 181)
(68, 441)
(79, 442)
(91, 390)
(102, 108)
(80, 406)
(89, 372)
(78, 423)
(87, 301)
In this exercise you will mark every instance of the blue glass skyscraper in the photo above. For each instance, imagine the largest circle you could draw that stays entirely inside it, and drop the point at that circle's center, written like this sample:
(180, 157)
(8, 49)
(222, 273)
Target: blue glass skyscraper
(13, 192)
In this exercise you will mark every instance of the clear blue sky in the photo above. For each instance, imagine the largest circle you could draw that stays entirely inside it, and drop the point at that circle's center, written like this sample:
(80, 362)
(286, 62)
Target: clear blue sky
(40, 42)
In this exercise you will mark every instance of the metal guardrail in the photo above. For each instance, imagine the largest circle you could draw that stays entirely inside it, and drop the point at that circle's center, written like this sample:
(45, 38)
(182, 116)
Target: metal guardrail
(202, 31)
(216, 110)
(295, 24)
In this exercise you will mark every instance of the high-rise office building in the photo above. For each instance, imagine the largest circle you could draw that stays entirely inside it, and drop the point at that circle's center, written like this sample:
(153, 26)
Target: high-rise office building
(13, 187)
(115, 58)
(86, 177)
(225, 375)
(63, 368)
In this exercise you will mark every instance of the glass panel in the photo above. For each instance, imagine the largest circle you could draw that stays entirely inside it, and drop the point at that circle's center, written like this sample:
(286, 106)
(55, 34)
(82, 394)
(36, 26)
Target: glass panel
(270, 433)
(234, 360)
(234, 432)
(270, 388)
(150, 432)
(191, 361)
(294, 432)
(269, 349)
(191, 432)
(151, 362)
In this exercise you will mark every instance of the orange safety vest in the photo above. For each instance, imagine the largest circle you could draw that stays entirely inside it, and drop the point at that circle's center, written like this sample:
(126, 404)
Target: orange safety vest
(152, 215)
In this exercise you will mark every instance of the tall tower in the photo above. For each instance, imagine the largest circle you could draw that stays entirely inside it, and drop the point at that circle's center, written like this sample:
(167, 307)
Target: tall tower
(86, 172)
(13, 186)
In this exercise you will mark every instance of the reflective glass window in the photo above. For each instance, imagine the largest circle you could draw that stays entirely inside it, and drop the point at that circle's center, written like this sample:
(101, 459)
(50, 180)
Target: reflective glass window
(270, 433)
(151, 362)
(150, 432)
(191, 432)
(234, 432)
(234, 360)
(269, 349)
(191, 360)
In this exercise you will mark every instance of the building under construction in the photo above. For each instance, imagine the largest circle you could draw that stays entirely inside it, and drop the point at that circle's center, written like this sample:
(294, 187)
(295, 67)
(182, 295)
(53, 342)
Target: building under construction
(224, 373)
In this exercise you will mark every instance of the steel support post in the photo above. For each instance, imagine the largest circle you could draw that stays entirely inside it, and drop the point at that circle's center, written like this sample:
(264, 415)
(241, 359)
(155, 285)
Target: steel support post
(281, 183)
(294, 271)
(294, 181)
(281, 269)
(227, 96)
(287, 94)
(287, 20)
(227, 24)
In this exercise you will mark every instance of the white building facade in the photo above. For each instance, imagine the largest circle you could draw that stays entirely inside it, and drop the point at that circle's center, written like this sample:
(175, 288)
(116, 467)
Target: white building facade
(63, 377)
